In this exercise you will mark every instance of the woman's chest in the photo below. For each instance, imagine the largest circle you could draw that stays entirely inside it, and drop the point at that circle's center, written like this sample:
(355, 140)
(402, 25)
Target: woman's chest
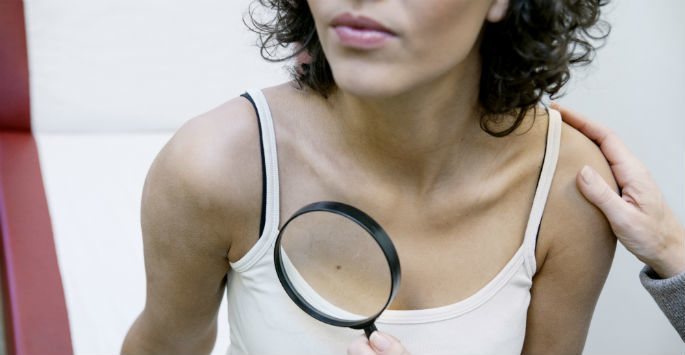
(445, 256)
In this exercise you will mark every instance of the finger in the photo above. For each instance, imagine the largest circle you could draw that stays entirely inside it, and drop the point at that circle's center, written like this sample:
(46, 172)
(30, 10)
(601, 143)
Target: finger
(385, 344)
(614, 150)
(598, 192)
(360, 346)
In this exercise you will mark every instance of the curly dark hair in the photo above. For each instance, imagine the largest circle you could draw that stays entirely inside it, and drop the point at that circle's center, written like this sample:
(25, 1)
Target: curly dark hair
(525, 56)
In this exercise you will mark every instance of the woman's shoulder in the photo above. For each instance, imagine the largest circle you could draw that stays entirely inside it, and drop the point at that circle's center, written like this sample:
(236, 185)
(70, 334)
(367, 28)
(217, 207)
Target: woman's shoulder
(212, 166)
(575, 152)
(218, 151)
(570, 220)
(574, 253)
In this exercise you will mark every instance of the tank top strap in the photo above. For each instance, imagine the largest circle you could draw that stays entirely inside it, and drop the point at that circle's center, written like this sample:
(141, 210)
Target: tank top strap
(549, 164)
(272, 203)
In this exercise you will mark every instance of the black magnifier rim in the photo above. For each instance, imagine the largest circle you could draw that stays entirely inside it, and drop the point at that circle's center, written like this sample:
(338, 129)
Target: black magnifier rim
(378, 234)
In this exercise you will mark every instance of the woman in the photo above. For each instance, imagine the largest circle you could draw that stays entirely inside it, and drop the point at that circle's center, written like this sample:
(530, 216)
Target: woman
(422, 113)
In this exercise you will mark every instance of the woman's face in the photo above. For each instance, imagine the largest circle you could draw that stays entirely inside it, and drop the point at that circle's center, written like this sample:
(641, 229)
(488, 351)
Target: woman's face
(425, 40)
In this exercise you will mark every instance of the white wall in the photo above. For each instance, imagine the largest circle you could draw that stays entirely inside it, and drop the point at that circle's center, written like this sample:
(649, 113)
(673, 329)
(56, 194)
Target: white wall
(132, 66)
(118, 67)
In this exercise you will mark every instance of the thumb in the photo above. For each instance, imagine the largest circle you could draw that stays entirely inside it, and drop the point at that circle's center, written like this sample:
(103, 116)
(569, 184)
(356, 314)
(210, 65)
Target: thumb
(386, 344)
(598, 192)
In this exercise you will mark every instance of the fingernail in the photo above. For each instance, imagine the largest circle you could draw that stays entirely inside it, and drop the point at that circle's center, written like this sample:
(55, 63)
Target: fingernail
(586, 174)
(379, 341)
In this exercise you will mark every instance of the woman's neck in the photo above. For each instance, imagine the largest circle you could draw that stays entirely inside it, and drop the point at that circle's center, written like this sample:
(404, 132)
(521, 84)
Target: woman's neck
(413, 138)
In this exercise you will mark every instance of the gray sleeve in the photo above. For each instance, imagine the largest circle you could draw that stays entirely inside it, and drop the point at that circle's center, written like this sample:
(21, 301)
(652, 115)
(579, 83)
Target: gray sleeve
(669, 294)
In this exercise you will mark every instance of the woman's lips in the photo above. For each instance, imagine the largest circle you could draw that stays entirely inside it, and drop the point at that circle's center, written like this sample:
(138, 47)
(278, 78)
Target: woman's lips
(361, 32)
(361, 38)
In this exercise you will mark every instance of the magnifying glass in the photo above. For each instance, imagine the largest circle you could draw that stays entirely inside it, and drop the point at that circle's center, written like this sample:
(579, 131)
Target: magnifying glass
(337, 264)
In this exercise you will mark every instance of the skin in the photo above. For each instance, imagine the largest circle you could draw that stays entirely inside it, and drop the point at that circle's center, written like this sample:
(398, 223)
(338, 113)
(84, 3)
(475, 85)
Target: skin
(386, 142)
(378, 344)
(639, 217)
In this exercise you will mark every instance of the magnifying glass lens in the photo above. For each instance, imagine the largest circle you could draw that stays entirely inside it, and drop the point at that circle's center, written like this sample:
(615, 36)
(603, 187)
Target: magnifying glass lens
(336, 266)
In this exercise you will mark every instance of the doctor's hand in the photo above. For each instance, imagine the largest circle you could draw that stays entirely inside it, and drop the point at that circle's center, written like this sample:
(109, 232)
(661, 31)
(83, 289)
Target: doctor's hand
(379, 344)
(640, 218)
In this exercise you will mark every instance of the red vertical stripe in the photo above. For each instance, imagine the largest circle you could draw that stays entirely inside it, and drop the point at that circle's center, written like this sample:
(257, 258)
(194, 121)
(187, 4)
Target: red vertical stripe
(34, 298)
(36, 319)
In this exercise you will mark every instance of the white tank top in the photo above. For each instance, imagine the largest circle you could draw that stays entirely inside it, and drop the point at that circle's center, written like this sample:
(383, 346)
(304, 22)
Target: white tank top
(263, 320)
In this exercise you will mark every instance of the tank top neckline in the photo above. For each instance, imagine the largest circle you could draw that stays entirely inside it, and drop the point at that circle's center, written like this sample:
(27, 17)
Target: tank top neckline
(523, 259)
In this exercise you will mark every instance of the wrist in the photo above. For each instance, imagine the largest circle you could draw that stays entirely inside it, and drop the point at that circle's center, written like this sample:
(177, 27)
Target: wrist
(671, 261)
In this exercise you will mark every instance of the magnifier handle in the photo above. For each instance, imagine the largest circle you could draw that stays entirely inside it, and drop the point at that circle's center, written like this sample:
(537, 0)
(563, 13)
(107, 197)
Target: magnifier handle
(370, 329)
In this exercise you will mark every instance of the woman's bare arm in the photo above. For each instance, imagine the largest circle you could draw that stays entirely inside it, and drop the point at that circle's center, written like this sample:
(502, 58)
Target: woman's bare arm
(194, 202)
(574, 253)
